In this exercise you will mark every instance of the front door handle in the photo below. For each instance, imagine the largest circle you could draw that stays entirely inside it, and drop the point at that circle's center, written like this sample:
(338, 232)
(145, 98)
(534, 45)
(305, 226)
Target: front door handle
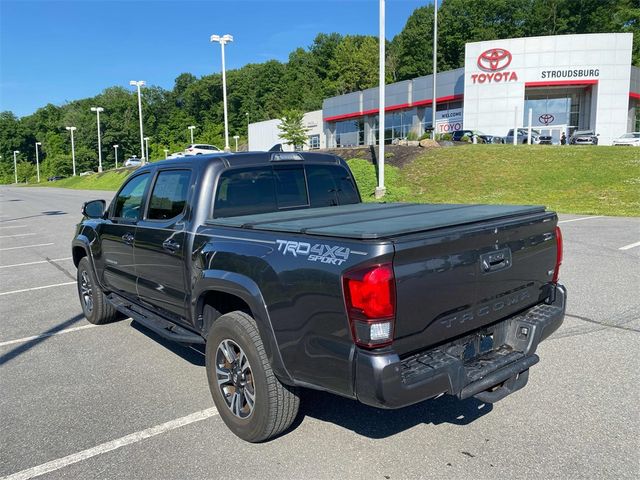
(127, 238)
(170, 246)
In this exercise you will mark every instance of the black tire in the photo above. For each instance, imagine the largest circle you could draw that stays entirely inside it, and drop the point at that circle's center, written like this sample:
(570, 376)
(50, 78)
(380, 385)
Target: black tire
(275, 405)
(93, 301)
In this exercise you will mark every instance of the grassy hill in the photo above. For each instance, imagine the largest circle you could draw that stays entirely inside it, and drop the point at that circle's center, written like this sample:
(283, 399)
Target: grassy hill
(587, 180)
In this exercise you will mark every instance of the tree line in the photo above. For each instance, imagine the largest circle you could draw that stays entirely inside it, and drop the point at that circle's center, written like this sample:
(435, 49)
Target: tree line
(333, 64)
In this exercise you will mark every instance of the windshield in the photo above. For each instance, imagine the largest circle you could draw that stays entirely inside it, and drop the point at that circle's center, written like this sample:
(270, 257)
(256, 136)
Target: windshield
(631, 135)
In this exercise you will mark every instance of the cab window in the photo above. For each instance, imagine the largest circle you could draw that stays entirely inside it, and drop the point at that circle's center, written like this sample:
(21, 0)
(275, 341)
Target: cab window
(169, 194)
(129, 200)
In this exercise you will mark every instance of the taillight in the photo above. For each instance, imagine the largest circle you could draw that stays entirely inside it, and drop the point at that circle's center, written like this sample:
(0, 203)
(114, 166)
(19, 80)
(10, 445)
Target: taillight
(556, 270)
(370, 296)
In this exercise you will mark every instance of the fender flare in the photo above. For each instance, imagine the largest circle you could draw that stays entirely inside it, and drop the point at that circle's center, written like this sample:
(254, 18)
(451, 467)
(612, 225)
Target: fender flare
(82, 241)
(246, 289)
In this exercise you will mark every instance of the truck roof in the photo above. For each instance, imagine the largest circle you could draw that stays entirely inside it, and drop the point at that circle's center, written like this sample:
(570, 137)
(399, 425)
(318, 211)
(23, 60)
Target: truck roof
(247, 159)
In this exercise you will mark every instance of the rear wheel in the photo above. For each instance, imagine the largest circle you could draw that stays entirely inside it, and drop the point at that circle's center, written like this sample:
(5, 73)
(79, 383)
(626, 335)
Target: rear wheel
(249, 398)
(94, 304)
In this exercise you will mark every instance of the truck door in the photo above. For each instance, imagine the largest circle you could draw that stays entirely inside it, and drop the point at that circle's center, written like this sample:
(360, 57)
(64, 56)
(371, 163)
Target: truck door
(160, 241)
(117, 236)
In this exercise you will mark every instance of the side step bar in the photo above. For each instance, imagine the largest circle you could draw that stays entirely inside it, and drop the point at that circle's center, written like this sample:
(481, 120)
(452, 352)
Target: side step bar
(153, 322)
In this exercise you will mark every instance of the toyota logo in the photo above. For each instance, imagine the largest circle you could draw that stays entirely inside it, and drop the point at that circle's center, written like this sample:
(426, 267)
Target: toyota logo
(494, 59)
(546, 118)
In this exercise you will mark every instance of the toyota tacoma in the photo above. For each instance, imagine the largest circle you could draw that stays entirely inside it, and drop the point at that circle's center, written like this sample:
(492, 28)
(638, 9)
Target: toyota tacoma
(274, 264)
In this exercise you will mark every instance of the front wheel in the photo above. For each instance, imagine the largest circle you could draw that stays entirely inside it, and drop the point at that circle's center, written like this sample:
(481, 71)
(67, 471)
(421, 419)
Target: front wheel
(93, 301)
(250, 399)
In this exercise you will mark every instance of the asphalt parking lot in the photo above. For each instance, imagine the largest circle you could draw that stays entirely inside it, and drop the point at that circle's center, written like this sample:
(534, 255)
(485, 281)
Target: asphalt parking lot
(116, 401)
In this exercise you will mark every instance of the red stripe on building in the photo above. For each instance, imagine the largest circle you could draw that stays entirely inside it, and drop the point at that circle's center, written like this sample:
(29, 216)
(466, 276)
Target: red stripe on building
(391, 108)
(634, 95)
(556, 83)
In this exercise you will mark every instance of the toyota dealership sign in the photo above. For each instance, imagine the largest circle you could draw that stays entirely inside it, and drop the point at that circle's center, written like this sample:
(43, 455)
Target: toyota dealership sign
(493, 62)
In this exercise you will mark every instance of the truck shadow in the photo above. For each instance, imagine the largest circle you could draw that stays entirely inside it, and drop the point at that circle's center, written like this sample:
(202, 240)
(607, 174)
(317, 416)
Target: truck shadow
(193, 354)
(376, 423)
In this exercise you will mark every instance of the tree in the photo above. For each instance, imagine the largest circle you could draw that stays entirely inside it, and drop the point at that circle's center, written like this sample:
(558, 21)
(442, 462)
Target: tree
(293, 132)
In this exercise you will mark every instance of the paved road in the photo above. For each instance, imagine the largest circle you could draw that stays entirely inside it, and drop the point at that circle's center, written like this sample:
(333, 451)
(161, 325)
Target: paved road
(118, 402)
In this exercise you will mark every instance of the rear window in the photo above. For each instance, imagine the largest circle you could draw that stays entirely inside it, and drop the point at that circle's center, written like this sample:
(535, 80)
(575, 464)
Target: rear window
(272, 188)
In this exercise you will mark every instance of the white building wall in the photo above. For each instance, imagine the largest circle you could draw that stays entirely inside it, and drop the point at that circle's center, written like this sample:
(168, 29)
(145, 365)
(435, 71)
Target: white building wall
(490, 105)
(264, 135)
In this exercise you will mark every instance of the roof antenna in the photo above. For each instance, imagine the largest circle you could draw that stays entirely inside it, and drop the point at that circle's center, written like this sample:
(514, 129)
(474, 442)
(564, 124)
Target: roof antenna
(276, 148)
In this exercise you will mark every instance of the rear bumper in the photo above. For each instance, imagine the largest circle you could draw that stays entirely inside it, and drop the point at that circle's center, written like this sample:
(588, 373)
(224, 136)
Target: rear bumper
(386, 381)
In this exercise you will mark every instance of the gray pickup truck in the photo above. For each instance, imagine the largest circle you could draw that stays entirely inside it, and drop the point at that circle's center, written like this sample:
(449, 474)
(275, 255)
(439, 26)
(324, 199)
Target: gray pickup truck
(272, 260)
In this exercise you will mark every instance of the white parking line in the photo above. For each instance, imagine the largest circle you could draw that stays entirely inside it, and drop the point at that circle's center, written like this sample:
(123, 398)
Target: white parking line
(630, 246)
(17, 235)
(26, 246)
(112, 445)
(45, 335)
(35, 263)
(580, 219)
(13, 226)
(37, 288)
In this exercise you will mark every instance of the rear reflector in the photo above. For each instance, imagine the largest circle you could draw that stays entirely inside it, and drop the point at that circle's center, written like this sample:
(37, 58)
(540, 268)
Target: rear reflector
(370, 298)
(556, 270)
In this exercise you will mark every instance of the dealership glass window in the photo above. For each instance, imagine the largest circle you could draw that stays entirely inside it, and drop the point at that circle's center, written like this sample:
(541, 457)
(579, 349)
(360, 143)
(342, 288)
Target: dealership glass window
(427, 119)
(398, 124)
(314, 142)
(350, 133)
(550, 108)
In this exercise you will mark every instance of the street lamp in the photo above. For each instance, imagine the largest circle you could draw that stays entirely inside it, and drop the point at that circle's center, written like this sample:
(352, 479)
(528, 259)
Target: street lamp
(380, 190)
(38, 162)
(15, 164)
(138, 84)
(146, 148)
(223, 41)
(115, 147)
(236, 137)
(191, 129)
(73, 149)
(98, 110)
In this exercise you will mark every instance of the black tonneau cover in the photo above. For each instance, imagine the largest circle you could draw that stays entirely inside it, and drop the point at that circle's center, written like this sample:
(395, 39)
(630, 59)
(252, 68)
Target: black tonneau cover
(374, 220)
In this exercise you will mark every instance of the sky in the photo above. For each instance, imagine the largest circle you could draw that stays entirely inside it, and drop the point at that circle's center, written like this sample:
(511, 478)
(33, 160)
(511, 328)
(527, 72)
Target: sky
(57, 51)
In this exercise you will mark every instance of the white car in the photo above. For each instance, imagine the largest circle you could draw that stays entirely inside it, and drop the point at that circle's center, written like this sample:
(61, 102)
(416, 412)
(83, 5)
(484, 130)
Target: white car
(133, 162)
(628, 140)
(201, 149)
(176, 155)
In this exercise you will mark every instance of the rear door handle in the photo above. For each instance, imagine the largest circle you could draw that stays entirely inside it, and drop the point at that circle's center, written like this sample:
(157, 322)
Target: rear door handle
(170, 246)
(127, 238)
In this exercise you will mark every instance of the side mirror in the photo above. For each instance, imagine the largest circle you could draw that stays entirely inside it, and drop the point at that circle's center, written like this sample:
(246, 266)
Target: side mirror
(94, 208)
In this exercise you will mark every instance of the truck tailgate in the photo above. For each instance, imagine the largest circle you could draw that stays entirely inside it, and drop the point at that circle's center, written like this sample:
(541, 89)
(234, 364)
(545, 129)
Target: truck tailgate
(455, 280)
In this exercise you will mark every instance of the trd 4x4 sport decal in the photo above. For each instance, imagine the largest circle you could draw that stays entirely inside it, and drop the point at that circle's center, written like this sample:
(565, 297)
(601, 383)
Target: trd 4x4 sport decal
(319, 252)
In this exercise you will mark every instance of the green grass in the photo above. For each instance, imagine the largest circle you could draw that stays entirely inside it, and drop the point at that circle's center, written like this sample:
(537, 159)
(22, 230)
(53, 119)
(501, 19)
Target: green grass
(586, 180)
(110, 180)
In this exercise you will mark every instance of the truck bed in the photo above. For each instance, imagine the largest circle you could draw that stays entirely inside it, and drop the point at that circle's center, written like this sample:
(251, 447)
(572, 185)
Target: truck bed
(374, 220)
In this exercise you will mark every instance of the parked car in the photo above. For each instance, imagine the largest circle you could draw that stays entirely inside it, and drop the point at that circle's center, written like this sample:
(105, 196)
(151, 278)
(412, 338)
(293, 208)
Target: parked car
(200, 149)
(584, 137)
(545, 140)
(55, 178)
(631, 139)
(176, 155)
(523, 135)
(133, 162)
(271, 261)
(482, 137)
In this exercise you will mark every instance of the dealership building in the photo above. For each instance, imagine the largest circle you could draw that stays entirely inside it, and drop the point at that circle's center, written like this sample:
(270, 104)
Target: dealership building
(562, 83)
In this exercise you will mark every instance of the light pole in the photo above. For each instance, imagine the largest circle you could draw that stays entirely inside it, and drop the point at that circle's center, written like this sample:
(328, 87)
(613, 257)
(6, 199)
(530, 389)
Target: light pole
(15, 164)
(98, 110)
(223, 41)
(191, 129)
(435, 68)
(138, 84)
(236, 137)
(115, 147)
(146, 148)
(73, 150)
(166, 153)
(380, 190)
(37, 162)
